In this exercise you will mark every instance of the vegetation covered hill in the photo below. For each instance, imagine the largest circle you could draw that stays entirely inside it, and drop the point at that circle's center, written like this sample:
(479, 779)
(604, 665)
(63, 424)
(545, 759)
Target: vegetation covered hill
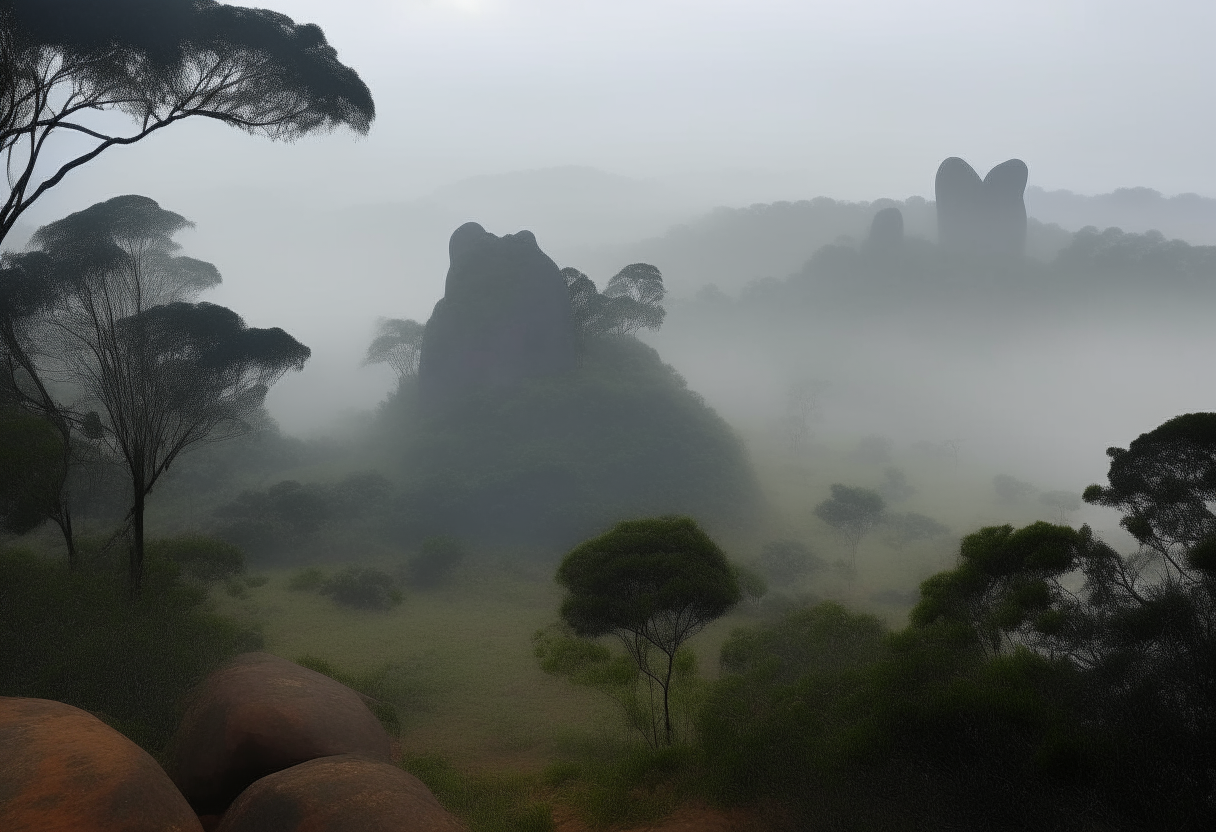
(557, 458)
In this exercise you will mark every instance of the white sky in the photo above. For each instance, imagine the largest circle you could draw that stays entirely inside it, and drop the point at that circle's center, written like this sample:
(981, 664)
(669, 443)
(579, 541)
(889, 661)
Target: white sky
(855, 99)
(735, 101)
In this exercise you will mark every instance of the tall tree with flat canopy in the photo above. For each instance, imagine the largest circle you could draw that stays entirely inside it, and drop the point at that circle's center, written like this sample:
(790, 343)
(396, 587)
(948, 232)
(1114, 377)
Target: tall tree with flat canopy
(852, 512)
(652, 584)
(398, 343)
(152, 372)
(66, 66)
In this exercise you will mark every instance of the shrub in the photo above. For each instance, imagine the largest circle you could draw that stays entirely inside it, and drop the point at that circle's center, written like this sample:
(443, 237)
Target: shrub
(432, 565)
(202, 559)
(75, 636)
(363, 588)
(307, 580)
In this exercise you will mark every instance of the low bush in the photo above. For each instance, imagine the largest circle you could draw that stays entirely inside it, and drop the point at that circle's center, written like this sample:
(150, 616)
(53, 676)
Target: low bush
(76, 637)
(432, 565)
(363, 588)
(394, 689)
(307, 580)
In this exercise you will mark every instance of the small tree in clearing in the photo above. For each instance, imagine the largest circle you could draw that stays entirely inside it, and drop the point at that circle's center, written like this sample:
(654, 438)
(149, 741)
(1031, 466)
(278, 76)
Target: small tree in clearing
(652, 584)
(852, 512)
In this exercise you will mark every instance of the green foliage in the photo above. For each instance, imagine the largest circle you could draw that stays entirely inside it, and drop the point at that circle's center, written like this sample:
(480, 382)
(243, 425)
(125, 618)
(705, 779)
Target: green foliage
(31, 471)
(363, 588)
(652, 584)
(202, 559)
(785, 561)
(555, 459)
(75, 636)
(614, 787)
(485, 801)
(391, 691)
(752, 585)
(852, 512)
(594, 665)
(290, 517)
(309, 579)
(434, 562)
(1164, 484)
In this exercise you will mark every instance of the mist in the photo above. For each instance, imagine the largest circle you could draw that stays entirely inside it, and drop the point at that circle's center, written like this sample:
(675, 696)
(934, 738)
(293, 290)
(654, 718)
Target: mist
(853, 304)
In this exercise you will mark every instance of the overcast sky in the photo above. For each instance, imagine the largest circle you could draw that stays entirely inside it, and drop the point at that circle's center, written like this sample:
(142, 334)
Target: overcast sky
(727, 102)
(778, 99)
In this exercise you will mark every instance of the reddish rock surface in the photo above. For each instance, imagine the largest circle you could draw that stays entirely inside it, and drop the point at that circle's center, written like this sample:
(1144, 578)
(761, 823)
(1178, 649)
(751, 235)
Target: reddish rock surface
(260, 714)
(63, 769)
(345, 793)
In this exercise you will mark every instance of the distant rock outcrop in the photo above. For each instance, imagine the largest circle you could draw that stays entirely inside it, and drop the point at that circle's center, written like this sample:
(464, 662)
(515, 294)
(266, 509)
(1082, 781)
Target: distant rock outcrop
(62, 768)
(886, 230)
(985, 216)
(505, 316)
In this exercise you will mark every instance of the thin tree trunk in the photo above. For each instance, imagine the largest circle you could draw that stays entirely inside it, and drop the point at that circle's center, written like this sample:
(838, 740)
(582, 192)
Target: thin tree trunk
(671, 658)
(137, 542)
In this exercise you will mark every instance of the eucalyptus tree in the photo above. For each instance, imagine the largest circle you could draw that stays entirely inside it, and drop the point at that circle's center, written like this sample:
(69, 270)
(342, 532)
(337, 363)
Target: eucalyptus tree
(852, 512)
(121, 354)
(398, 343)
(652, 584)
(68, 67)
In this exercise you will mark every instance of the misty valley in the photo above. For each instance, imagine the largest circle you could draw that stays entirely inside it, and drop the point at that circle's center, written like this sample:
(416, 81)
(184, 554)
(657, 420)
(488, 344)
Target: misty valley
(816, 515)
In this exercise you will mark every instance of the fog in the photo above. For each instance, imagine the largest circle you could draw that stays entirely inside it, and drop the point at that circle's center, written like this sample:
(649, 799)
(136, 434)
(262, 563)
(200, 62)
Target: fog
(695, 137)
(668, 408)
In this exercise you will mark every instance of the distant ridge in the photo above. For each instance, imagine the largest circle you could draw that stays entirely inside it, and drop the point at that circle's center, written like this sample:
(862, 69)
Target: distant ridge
(1188, 217)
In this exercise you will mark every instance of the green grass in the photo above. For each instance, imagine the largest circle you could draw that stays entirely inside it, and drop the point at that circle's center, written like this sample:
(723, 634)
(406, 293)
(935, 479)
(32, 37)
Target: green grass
(487, 801)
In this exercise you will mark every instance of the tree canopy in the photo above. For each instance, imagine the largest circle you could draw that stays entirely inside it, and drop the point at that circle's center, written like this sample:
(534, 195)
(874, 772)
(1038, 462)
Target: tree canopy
(651, 583)
(66, 63)
(398, 343)
(150, 372)
(632, 300)
(852, 512)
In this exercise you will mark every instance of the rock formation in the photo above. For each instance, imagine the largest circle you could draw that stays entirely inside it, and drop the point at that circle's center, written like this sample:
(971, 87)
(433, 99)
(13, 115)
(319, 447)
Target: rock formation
(260, 714)
(338, 794)
(986, 217)
(504, 316)
(62, 768)
(886, 230)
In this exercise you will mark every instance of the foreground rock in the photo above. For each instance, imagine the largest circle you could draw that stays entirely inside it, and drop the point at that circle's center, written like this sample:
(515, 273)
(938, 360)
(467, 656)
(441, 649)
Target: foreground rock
(505, 316)
(63, 769)
(260, 714)
(338, 794)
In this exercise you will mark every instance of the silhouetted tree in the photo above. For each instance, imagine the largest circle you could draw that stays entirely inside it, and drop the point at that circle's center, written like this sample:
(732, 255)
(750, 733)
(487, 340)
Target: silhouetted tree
(652, 584)
(154, 373)
(911, 528)
(31, 471)
(852, 512)
(635, 299)
(588, 306)
(1010, 489)
(67, 67)
(1063, 503)
(398, 343)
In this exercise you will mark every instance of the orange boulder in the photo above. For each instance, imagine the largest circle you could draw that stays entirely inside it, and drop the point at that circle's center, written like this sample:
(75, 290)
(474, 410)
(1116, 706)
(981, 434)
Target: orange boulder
(63, 769)
(345, 793)
(260, 714)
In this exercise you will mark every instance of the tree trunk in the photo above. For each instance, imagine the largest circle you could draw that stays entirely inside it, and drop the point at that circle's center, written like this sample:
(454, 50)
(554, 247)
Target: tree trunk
(671, 658)
(64, 522)
(137, 542)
